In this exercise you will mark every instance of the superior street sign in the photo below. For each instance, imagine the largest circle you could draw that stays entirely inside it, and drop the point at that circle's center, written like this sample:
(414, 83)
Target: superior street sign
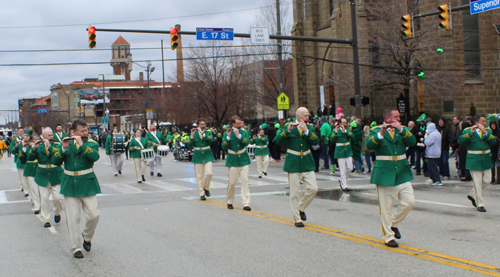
(479, 6)
(42, 110)
(214, 33)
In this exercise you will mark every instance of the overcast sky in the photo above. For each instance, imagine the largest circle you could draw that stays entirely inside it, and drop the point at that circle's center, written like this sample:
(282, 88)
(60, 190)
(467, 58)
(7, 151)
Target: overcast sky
(61, 25)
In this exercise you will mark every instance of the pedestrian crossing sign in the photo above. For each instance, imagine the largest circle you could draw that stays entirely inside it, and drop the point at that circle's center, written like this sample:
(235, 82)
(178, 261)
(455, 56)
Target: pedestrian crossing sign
(283, 102)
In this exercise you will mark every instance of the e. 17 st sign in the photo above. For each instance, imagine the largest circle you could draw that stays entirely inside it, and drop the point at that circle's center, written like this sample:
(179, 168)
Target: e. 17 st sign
(214, 34)
(478, 6)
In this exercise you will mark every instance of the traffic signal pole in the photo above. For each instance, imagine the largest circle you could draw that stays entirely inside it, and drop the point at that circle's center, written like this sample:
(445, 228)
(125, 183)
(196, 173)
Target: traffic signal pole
(355, 53)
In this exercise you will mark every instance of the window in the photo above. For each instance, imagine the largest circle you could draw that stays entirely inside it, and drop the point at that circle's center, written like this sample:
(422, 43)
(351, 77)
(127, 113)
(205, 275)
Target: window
(472, 50)
(448, 106)
(332, 4)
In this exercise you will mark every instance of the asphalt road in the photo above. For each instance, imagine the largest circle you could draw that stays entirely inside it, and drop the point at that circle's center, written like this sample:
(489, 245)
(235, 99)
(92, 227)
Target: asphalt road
(160, 228)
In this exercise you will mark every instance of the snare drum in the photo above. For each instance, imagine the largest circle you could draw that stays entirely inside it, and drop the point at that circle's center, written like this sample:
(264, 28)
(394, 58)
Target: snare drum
(147, 154)
(162, 151)
(118, 143)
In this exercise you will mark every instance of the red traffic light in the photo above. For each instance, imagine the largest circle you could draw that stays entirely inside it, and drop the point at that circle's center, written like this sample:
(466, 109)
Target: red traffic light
(91, 29)
(173, 31)
(92, 37)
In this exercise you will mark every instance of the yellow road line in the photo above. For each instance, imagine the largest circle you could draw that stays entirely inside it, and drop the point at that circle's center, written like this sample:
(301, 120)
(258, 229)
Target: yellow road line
(411, 251)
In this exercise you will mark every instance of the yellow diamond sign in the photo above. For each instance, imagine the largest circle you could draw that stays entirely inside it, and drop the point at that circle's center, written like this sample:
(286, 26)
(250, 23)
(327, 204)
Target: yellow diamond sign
(283, 102)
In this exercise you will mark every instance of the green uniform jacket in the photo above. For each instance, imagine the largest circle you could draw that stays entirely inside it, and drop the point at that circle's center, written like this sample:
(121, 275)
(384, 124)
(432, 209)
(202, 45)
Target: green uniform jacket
(76, 160)
(136, 153)
(161, 139)
(473, 142)
(356, 143)
(236, 145)
(342, 152)
(29, 166)
(201, 156)
(44, 175)
(260, 142)
(15, 151)
(58, 138)
(390, 173)
(297, 142)
(107, 145)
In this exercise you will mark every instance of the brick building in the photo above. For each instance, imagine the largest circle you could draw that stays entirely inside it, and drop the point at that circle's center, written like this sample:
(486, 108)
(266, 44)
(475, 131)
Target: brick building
(470, 58)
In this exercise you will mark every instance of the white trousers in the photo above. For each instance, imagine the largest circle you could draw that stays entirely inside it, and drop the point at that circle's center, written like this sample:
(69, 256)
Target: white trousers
(203, 181)
(386, 198)
(262, 163)
(345, 165)
(294, 180)
(91, 211)
(152, 166)
(481, 180)
(116, 162)
(234, 173)
(34, 193)
(140, 168)
(22, 181)
(44, 201)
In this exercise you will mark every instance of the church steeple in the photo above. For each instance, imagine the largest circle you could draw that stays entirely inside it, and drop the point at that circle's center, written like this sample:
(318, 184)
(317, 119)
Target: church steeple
(121, 60)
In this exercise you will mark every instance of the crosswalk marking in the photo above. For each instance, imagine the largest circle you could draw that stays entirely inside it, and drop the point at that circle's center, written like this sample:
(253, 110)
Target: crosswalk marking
(3, 197)
(168, 186)
(123, 188)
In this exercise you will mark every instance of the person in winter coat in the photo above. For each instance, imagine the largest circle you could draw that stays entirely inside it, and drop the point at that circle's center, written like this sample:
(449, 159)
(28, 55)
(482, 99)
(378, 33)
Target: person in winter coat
(433, 152)
(356, 147)
(446, 141)
(419, 131)
(494, 152)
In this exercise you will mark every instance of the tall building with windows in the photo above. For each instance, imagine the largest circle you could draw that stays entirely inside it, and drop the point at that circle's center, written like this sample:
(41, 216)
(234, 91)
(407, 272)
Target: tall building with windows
(462, 76)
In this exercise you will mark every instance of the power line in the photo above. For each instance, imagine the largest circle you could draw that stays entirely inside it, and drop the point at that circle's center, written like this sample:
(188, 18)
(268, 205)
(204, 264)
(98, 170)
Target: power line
(131, 21)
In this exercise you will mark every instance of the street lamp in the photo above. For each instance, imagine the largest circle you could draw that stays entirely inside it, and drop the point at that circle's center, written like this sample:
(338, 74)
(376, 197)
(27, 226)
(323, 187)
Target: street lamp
(149, 70)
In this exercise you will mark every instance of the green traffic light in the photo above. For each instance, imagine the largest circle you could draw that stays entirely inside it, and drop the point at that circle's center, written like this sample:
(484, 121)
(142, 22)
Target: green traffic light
(421, 75)
(440, 50)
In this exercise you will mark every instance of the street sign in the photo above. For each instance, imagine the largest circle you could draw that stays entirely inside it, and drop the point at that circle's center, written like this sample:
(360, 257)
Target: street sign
(280, 115)
(479, 6)
(214, 33)
(104, 120)
(259, 35)
(402, 103)
(149, 114)
(283, 102)
(42, 111)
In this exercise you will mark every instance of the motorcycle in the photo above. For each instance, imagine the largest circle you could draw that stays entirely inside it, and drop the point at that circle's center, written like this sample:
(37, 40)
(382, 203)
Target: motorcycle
(182, 152)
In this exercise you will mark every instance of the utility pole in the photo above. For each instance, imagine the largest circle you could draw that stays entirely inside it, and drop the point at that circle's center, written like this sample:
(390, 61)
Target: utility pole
(162, 73)
(147, 69)
(355, 53)
(280, 50)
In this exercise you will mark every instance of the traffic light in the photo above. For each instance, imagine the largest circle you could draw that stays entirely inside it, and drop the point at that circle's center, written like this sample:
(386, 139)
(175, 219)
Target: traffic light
(365, 100)
(352, 101)
(92, 42)
(444, 16)
(174, 38)
(21, 112)
(407, 26)
(421, 75)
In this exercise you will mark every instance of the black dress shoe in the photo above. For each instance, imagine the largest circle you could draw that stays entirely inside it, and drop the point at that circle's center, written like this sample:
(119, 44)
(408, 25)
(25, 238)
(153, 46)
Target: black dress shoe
(152, 173)
(78, 255)
(397, 234)
(265, 173)
(57, 218)
(247, 208)
(472, 200)
(87, 245)
(47, 225)
(481, 209)
(159, 175)
(392, 243)
(116, 174)
(260, 176)
(299, 224)
(303, 215)
(37, 211)
(120, 172)
(143, 179)
(140, 182)
(207, 193)
(203, 198)
(230, 206)
(26, 195)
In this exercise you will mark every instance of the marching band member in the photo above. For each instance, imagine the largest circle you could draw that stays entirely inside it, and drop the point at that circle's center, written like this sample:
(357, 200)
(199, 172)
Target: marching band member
(392, 172)
(115, 158)
(79, 185)
(135, 146)
(14, 149)
(200, 140)
(299, 162)
(59, 135)
(47, 176)
(342, 135)
(235, 141)
(261, 152)
(156, 139)
(30, 168)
